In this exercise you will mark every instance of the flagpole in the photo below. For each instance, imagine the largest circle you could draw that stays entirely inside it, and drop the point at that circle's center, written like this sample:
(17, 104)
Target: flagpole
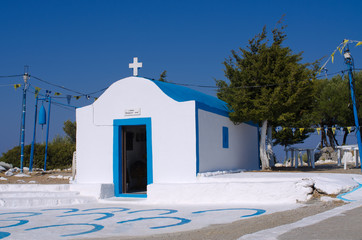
(348, 60)
(22, 141)
(34, 133)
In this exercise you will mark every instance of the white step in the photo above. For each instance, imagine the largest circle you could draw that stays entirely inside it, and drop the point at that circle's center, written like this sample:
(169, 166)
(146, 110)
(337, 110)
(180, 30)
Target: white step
(17, 194)
(40, 195)
(34, 187)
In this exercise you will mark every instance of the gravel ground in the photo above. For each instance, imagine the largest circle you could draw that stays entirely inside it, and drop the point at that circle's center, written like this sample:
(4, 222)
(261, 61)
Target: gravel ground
(38, 177)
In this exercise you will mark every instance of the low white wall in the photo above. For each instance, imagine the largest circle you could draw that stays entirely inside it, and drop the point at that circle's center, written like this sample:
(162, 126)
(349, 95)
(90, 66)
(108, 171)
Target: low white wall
(242, 152)
(230, 192)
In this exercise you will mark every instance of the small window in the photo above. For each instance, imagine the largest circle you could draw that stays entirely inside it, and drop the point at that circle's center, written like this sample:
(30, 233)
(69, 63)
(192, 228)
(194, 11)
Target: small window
(225, 137)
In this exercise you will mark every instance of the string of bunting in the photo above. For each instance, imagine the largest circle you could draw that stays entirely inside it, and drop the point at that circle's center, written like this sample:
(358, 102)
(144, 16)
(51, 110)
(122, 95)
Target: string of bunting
(339, 48)
(318, 129)
(57, 94)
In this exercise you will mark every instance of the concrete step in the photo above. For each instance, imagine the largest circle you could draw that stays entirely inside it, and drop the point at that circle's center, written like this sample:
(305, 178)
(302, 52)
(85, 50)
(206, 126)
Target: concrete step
(40, 195)
(18, 194)
(34, 187)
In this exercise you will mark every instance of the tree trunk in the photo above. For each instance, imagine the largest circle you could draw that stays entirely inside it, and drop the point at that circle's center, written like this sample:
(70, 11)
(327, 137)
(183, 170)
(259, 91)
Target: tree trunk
(269, 147)
(345, 136)
(331, 138)
(324, 139)
(263, 156)
(335, 139)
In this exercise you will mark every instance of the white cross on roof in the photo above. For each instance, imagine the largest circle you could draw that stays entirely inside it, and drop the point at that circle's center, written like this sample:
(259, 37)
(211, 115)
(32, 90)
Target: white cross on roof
(135, 65)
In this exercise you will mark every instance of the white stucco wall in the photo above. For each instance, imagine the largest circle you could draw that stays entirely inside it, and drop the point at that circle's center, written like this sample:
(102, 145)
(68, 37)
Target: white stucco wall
(94, 149)
(243, 144)
(173, 132)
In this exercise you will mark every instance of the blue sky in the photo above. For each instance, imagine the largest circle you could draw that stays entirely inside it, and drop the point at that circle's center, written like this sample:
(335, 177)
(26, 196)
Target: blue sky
(87, 45)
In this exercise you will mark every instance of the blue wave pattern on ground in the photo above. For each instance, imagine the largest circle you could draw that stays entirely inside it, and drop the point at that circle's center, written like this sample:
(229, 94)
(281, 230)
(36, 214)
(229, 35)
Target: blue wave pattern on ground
(22, 218)
(182, 221)
(4, 234)
(96, 228)
(341, 196)
(257, 211)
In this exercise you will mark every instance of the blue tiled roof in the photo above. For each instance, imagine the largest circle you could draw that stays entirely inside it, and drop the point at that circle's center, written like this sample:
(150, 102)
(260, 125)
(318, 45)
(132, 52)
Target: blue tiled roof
(182, 94)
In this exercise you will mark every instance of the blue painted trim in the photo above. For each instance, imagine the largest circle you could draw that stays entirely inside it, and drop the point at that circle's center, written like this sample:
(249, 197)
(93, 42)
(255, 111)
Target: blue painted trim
(258, 150)
(225, 137)
(117, 153)
(212, 109)
(183, 94)
(132, 195)
(116, 159)
(197, 138)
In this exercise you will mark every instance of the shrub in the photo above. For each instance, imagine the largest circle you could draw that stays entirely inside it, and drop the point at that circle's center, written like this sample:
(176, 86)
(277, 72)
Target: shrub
(60, 155)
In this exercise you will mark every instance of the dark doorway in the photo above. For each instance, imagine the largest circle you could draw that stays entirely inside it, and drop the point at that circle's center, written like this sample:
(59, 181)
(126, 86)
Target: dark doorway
(134, 159)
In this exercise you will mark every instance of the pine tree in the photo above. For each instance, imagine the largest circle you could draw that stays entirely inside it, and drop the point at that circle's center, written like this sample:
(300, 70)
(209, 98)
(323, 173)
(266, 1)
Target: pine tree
(163, 76)
(334, 106)
(269, 86)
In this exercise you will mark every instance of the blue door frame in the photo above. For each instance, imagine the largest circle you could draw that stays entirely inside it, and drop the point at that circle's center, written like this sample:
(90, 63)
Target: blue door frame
(117, 153)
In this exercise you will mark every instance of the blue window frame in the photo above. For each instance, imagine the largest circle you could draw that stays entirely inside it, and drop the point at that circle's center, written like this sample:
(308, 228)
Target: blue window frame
(225, 137)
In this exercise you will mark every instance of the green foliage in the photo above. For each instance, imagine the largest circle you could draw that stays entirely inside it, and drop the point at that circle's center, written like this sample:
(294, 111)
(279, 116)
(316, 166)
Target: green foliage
(333, 102)
(333, 105)
(70, 129)
(60, 151)
(268, 82)
(60, 155)
(163, 76)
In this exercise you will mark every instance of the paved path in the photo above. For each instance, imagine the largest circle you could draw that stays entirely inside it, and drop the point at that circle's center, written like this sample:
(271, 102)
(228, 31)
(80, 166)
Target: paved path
(347, 225)
(343, 222)
(124, 219)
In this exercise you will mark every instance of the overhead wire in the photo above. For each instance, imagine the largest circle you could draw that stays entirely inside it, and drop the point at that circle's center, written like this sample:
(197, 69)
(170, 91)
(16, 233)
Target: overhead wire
(56, 85)
(10, 76)
(9, 85)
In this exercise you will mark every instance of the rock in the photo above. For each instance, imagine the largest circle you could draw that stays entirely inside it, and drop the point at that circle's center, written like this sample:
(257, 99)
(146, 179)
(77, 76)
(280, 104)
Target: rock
(6, 165)
(9, 173)
(33, 182)
(328, 153)
(2, 169)
(328, 199)
(3, 179)
(21, 175)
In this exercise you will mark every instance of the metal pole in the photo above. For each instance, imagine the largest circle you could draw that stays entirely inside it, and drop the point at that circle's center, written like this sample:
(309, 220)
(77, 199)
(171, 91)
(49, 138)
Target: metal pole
(33, 142)
(349, 62)
(47, 137)
(25, 77)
